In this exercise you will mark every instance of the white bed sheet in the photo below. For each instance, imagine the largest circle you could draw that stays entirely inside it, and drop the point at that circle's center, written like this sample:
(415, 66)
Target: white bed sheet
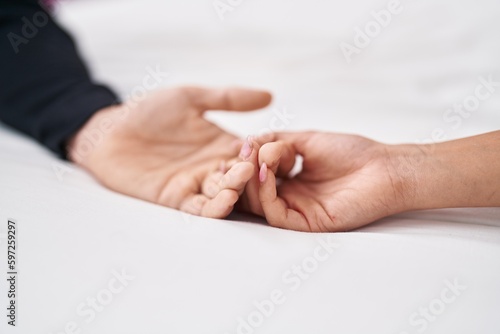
(196, 275)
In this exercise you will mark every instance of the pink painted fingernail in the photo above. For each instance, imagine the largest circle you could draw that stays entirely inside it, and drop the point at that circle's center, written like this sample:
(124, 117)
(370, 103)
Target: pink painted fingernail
(263, 173)
(246, 149)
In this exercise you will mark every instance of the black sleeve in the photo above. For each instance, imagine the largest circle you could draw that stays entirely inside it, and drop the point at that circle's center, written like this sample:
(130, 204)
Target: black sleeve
(45, 89)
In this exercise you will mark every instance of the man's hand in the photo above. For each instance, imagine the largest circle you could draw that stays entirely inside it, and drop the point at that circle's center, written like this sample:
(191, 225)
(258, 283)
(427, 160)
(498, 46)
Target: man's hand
(162, 150)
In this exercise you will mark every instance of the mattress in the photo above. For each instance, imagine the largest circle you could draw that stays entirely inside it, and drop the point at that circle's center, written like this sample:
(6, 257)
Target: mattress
(89, 260)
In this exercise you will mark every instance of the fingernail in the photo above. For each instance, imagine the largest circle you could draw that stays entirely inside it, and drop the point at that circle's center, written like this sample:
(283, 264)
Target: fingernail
(246, 149)
(263, 173)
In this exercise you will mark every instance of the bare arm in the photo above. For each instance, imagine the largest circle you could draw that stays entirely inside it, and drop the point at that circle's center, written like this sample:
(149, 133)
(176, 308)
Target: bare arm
(458, 173)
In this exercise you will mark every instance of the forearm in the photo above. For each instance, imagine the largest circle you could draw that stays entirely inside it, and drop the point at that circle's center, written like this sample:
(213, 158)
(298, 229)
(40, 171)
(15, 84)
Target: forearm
(45, 88)
(459, 173)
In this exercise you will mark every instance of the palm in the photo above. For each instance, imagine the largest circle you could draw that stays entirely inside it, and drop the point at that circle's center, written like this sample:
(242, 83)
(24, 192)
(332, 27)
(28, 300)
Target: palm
(164, 149)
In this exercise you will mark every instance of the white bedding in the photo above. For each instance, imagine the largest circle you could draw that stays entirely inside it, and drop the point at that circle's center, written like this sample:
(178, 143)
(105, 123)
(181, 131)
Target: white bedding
(196, 275)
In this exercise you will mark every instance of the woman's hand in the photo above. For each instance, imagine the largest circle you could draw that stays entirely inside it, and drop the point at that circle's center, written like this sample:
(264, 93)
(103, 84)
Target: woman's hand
(346, 182)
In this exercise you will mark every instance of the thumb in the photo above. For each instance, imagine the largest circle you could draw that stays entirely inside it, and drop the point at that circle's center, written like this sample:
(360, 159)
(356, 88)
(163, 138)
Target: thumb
(234, 99)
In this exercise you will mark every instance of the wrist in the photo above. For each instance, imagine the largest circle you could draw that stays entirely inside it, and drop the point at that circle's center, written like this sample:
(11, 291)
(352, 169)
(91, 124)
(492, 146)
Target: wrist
(425, 177)
(449, 174)
(85, 142)
(405, 163)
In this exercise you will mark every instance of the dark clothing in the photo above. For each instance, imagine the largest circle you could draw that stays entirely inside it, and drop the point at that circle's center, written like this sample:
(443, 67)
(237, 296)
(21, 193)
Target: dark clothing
(45, 88)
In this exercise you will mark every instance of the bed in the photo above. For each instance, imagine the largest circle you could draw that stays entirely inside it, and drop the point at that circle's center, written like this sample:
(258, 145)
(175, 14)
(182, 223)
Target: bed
(93, 261)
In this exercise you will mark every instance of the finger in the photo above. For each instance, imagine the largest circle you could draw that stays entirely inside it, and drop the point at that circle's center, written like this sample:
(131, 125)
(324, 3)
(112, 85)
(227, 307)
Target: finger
(235, 147)
(210, 186)
(193, 204)
(297, 140)
(221, 205)
(230, 163)
(237, 99)
(250, 201)
(235, 179)
(275, 208)
(218, 207)
(265, 138)
(278, 156)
